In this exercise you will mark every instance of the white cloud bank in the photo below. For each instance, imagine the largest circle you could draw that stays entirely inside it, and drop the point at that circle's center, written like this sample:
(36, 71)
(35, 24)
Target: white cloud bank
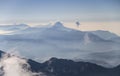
(15, 66)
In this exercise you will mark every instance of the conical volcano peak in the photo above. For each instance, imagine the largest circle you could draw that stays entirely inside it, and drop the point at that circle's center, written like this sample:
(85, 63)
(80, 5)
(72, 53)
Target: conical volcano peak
(58, 25)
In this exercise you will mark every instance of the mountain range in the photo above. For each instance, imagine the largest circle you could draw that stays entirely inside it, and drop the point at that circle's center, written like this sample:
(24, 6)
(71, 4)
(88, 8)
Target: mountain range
(42, 43)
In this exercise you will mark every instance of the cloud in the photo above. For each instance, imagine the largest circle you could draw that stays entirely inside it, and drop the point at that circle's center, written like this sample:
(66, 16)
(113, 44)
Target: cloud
(107, 59)
(2, 32)
(78, 23)
(15, 66)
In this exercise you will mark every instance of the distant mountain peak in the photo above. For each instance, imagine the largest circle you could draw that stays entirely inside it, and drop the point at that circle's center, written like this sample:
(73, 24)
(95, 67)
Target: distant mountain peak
(58, 25)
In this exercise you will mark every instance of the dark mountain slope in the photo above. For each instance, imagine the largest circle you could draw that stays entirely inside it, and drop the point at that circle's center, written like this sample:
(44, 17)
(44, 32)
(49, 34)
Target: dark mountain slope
(64, 67)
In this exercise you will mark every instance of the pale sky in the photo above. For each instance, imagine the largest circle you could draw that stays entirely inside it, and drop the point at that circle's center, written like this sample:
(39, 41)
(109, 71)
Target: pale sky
(92, 14)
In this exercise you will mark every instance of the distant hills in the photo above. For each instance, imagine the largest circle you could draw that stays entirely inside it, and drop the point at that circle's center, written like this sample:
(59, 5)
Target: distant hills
(104, 34)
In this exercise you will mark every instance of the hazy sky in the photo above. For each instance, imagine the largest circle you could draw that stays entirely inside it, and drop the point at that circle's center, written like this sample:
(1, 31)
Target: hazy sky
(93, 14)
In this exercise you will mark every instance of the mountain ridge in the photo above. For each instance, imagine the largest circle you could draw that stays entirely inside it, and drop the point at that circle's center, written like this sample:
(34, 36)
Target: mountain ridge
(66, 67)
(60, 42)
